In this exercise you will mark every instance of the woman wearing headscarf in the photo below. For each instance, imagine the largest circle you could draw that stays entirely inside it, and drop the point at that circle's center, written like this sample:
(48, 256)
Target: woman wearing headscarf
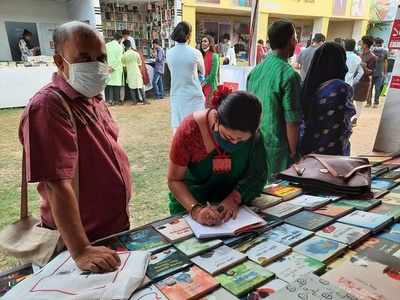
(186, 64)
(327, 105)
(211, 64)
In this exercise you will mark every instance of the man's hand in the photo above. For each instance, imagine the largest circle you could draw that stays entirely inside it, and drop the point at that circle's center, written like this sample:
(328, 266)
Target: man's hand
(208, 216)
(97, 259)
(230, 206)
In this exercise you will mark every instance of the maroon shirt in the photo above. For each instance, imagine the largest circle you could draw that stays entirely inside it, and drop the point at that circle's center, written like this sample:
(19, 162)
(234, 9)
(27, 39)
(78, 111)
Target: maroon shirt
(49, 140)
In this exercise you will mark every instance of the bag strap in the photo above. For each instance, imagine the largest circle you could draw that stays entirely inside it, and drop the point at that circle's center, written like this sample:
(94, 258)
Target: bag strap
(24, 189)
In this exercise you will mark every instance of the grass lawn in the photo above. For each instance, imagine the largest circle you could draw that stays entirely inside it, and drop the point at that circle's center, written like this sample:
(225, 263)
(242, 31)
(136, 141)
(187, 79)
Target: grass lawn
(144, 133)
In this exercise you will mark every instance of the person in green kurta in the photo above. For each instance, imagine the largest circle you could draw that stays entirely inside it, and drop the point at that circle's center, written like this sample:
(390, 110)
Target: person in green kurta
(114, 59)
(132, 62)
(277, 85)
(211, 64)
(217, 159)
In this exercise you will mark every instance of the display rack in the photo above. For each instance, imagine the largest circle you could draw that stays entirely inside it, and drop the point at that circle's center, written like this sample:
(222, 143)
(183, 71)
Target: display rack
(146, 21)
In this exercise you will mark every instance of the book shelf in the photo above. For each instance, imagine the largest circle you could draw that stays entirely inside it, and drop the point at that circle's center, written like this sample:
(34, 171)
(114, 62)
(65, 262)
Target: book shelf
(145, 21)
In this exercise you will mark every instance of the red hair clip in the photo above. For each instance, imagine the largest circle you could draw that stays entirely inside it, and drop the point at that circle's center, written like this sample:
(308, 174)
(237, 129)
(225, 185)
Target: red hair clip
(220, 94)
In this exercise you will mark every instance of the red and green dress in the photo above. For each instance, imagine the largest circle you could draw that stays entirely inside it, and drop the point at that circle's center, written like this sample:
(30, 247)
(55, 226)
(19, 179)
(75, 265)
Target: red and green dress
(247, 176)
(211, 64)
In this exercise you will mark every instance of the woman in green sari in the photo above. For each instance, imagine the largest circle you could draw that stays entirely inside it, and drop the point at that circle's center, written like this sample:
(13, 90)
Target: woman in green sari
(217, 159)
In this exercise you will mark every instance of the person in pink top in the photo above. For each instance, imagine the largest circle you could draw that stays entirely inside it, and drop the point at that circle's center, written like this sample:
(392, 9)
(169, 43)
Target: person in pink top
(51, 144)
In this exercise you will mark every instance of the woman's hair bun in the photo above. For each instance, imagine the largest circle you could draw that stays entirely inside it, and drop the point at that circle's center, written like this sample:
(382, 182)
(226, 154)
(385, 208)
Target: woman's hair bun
(220, 94)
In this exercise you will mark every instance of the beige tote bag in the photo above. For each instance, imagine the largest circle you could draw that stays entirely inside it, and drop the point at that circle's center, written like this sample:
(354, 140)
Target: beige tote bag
(26, 239)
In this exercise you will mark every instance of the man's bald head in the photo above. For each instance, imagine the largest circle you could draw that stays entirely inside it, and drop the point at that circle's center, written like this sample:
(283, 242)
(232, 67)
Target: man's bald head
(70, 30)
(77, 42)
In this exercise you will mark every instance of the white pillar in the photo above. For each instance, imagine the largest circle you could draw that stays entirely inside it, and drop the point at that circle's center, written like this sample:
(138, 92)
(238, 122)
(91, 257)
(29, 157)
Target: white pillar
(178, 11)
(359, 29)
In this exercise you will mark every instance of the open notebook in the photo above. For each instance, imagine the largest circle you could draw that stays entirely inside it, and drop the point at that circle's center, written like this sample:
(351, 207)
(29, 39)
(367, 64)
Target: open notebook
(245, 221)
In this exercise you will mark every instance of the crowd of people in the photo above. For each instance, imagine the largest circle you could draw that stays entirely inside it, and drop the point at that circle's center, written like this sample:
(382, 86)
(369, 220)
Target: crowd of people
(226, 145)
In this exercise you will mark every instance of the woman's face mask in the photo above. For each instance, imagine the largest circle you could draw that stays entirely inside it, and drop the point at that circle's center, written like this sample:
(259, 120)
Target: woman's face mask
(230, 140)
(88, 78)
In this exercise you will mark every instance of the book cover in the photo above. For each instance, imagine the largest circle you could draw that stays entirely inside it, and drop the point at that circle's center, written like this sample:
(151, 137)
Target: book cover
(344, 233)
(392, 198)
(379, 170)
(149, 293)
(244, 245)
(366, 280)
(188, 285)
(243, 278)
(144, 239)
(193, 246)
(232, 241)
(271, 221)
(372, 221)
(294, 265)
(392, 174)
(383, 184)
(12, 277)
(320, 248)
(218, 260)
(380, 250)
(265, 201)
(267, 290)
(282, 210)
(341, 259)
(267, 251)
(379, 193)
(220, 294)
(388, 209)
(334, 211)
(174, 229)
(392, 234)
(283, 191)
(310, 202)
(364, 205)
(287, 234)
(165, 263)
(309, 220)
(311, 287)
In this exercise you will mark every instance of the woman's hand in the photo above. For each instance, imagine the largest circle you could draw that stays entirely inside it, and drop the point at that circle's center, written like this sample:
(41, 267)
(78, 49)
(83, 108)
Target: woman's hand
(208, 215)
(230, 206)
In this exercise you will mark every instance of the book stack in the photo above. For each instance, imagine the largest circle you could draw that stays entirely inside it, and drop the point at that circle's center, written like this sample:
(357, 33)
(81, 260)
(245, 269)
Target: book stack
(285, 247)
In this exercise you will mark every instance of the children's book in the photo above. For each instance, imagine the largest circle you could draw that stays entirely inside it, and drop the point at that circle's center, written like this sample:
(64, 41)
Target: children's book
(309, 220)
(294, 265)
(383, 184)
(288, 234)
(364, 205)
(190, 284)
(244, 278)
(334, 211)
(193, 246)
(387, 209)
(267, 251)
(343, 233)
(282, 210)
(149, 293)
(320, 248)
(220, 294)
(268, 289)
(265, 201)
(144, 239)
(310, 202)
(174, 229)
(218, 260)
(283, 191)
(371, 221)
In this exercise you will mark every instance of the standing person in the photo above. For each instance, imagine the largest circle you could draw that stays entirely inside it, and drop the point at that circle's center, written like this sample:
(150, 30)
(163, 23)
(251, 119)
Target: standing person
(56, 152)
(185, 64)
(211, 64)
(225, 45)
(261, 51)
(353, 62)
(362, 90)
(326, 101)
(159, 67)
(25, 45)
(114, 60)
(229, 127)
(306, 55)
(277, 85)
(380, 71)
(126, 35)
(132, 61)
(228, 51)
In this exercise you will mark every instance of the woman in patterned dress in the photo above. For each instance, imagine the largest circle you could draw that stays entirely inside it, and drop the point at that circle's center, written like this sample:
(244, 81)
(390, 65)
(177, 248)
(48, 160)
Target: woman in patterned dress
(327, 105)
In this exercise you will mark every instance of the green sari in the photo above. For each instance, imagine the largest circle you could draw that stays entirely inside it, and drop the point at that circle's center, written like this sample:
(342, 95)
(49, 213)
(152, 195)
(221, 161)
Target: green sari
(248, 176)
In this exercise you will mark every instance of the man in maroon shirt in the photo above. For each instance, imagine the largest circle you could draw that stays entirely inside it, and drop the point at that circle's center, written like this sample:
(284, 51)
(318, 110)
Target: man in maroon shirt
(51, 146)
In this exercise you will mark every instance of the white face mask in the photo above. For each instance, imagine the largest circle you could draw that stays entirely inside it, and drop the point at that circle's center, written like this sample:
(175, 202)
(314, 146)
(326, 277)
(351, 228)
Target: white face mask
(88, 78)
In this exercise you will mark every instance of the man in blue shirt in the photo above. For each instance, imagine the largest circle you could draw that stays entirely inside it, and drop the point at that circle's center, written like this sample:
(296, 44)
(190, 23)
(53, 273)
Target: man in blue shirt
(159, 66)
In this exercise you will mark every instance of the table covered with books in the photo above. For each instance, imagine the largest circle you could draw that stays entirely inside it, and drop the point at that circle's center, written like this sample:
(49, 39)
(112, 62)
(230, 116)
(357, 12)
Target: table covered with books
(289, 244)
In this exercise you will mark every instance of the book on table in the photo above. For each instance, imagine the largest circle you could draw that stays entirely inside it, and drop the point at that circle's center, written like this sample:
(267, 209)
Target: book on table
(193, 246)
(144, 239)
(220, 294)
(383, 184)
(309, 220)
(392, 233)
(189, 284)
(282, 210)
(266, 252)
(149, 293)
(286, 192)
(10, 278)
(287, 234)
(245, 221)
(334, 211)
(174, 229)
(219, 259)
(265, 201)
(364, 205)
(344, 233)
(268, 289)
(388, 209)
(371, 221)
(310, 202)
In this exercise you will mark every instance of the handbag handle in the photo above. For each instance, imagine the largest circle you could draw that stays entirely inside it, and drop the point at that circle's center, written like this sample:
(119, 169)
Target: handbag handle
(24, 210)
(330, 169)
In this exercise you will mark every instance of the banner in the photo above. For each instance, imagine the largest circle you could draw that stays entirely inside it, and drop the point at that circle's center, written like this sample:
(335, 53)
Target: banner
(388, 136)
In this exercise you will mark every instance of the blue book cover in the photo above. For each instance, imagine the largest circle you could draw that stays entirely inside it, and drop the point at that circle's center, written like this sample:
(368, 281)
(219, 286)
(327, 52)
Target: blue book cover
(144, 239)
(372, 221)
(287, 234)
(320, 248)
(309, 220)
(383, 184)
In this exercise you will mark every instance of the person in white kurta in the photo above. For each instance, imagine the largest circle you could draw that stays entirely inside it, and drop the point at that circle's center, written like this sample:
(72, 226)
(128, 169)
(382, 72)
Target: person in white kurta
(185, 64)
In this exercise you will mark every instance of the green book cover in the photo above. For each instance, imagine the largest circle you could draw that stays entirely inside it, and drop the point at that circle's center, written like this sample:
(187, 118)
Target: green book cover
(144, 239)
(193, 246)
(364, 205)
(243, 278)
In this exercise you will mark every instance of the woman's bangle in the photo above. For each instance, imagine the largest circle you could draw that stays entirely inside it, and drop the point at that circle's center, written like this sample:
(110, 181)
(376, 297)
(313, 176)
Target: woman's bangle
(193, 207)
